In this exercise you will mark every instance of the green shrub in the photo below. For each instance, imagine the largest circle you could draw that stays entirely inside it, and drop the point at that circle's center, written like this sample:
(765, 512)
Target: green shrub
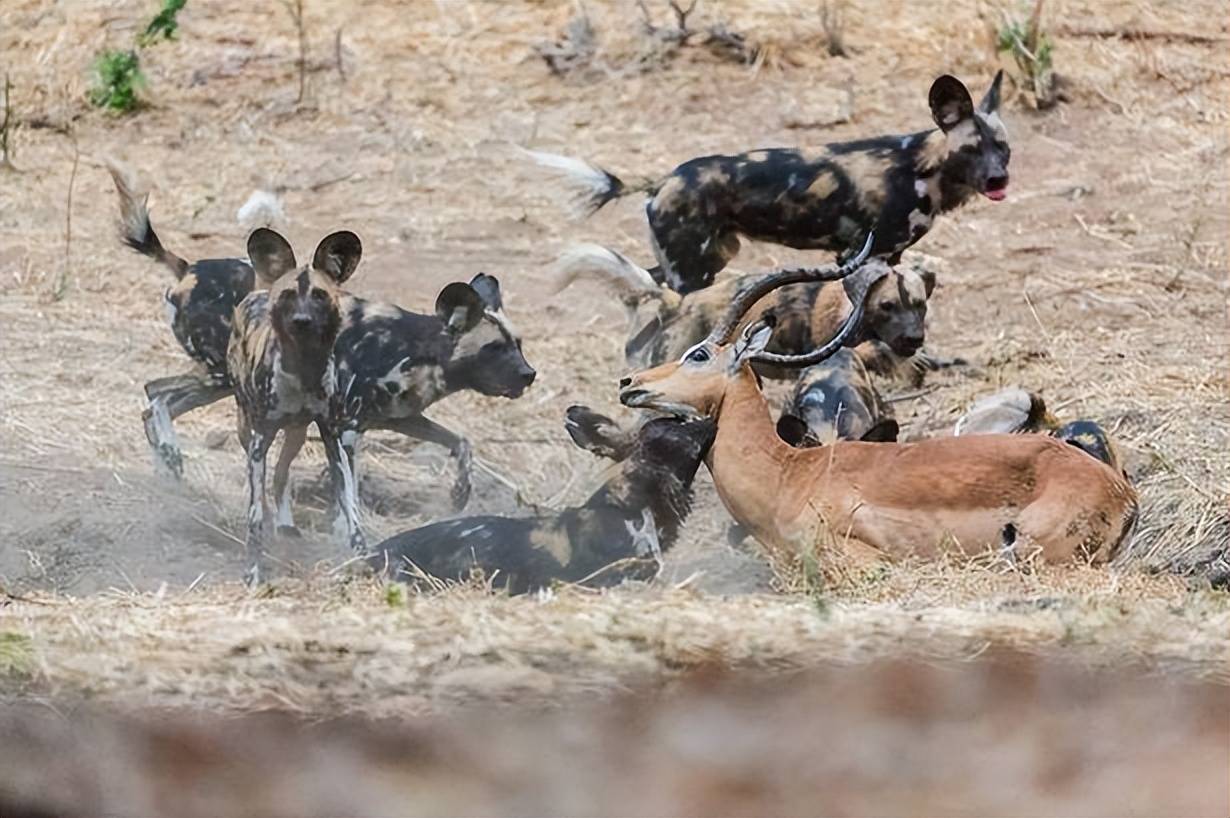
(117, 76)
(164, 25)
(1025, 39)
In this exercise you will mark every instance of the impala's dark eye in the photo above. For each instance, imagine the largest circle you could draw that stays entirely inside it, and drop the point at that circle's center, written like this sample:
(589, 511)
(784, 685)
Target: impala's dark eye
(697, 356)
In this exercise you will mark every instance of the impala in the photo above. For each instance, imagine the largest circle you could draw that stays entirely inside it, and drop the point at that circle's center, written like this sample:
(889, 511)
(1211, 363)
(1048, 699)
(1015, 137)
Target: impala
(860, 503)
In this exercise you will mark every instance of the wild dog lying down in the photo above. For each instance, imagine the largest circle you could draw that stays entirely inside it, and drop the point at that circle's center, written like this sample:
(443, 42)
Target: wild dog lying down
(807, 313)
(393, 364)
(1014, 410)
(619, 533)
(859, 503)
(282, 364)
(827, 198)
(200, 304)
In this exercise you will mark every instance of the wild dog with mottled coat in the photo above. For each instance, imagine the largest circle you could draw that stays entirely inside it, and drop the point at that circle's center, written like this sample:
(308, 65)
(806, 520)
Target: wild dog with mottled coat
(827, 199)
(807, 313)
(619, 533)
(393, 364)
(836, 400)
(281, 361)
(201, 305)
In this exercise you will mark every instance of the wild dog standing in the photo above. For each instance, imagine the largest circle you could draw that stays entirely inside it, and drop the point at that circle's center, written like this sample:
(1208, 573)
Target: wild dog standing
(619, 533)
(394, 364)
(860, 503)
(200, 304)
(281, 360)
(825, 199)
(807, 313)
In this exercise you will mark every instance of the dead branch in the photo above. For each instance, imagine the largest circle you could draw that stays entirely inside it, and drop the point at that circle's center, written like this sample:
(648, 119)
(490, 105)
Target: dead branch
(1098, 32)
(7, 126)
(574, 50)
(62, 284)
(833, 18)
(295, 9)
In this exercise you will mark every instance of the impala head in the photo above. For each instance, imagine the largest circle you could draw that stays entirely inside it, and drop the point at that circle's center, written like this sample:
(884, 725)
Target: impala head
(978, 149)
(695, 385)
(304, 301)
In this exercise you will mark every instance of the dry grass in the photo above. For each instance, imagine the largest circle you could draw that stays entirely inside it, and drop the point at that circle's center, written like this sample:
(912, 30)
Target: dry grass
(1102, 283)
(325, 647)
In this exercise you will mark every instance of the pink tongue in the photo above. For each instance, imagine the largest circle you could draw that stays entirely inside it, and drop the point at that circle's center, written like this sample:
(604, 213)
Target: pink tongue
(996, 195)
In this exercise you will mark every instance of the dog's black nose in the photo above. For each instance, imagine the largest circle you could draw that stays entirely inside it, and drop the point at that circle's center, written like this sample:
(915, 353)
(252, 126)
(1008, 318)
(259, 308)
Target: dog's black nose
(301, 321)
(625, 382)
(527, 377)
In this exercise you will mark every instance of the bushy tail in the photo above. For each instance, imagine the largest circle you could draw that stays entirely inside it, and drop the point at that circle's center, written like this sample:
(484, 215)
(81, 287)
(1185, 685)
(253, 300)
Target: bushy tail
(594, 186)
(135, 228)
(633, 284)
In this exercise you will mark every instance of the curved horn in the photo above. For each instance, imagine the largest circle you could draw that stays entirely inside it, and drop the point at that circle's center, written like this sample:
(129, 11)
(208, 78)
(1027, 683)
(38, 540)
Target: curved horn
(835, 343)
(747, 299)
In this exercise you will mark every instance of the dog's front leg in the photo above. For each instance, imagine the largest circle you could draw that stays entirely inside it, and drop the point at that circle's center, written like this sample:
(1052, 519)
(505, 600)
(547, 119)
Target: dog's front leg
(346, 524)
(259, 441)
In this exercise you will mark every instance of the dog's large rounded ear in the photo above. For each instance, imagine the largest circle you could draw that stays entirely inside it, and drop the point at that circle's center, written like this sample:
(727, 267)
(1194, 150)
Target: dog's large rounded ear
(338, 255)
(792, 429)
(860, 282)
(950, 102)
(270, 254)
(460, 307)
(884, 431)
(928, 279)
(488, 289)
(990, 100)
(598, 433)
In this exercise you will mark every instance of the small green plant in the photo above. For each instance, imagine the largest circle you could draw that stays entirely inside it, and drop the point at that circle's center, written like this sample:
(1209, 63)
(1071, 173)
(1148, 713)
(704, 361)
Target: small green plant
(164, 25)
(117, 73)
(16, 655)
(118, 77)
(1031, 48)
(395, 595)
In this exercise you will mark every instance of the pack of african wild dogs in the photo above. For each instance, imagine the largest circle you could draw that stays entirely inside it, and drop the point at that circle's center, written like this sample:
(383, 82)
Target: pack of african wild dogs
(822, 475)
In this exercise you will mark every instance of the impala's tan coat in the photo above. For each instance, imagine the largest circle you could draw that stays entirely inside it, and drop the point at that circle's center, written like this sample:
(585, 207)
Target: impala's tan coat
(870, 501)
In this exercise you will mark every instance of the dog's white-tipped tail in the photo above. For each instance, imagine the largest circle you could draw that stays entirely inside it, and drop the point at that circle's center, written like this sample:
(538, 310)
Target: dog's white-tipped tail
(633, 284)
(594, 186)
(135, 228)
(262, 209)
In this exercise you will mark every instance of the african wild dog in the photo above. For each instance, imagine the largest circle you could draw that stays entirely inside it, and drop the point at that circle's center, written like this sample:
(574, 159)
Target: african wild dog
(836, 400)
(807, 313)
(393, 364)
(827, 199)
(1018, 411)
(619, 533)
(200, 304)
(281, 361)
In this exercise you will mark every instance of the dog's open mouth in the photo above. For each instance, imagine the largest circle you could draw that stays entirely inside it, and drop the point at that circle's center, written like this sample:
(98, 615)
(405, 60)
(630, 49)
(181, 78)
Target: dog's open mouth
(996, 189)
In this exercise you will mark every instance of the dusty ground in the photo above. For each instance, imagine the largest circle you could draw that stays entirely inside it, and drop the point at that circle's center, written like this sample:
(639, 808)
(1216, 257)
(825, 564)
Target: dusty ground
(1101, 281)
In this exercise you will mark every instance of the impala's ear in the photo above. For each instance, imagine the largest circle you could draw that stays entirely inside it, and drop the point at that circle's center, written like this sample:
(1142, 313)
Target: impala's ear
(950, 102)
(753, 340)
(338, 255)
(990, 101)
(792, 429)
(270, 255)
(459, 307)
(885, 431)
(488, 289)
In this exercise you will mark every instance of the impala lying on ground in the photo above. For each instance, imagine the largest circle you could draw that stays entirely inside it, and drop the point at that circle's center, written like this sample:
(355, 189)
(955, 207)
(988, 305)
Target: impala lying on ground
(859, 503)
